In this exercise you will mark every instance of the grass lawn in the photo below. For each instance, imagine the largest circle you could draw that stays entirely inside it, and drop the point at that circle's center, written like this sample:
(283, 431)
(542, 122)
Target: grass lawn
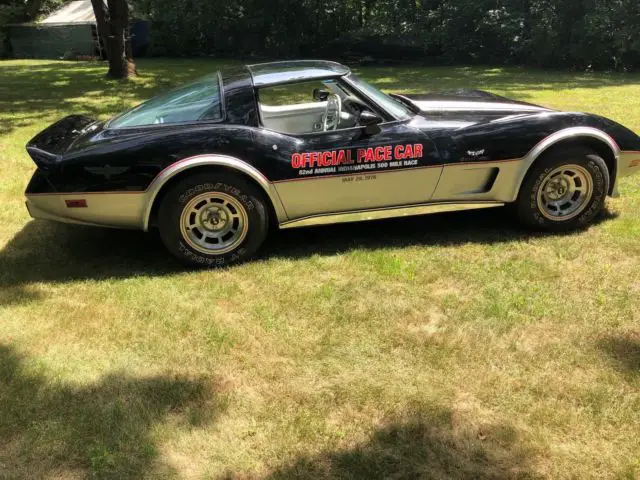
(449, 346)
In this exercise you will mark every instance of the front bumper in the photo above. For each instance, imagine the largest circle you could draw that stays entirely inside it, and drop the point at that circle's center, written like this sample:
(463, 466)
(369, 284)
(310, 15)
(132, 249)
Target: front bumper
(628, 164)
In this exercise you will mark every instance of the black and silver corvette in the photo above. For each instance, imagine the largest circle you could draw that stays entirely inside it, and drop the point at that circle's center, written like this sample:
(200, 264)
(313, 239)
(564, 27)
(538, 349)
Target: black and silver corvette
(213, 164)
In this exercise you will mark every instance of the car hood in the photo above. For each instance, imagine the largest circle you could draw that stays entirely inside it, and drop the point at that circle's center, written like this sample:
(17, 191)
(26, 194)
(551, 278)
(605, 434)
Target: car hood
(471, 106)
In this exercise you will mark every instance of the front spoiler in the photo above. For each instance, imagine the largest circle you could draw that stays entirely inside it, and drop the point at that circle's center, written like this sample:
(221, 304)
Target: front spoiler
(628, 163)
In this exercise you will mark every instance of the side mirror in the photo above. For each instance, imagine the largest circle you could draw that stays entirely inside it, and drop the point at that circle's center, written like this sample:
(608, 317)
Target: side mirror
(370, 121)
(320, 94)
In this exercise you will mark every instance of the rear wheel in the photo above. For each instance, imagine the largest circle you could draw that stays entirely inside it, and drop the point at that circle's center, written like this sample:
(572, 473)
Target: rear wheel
(213, 219)
(564, 190)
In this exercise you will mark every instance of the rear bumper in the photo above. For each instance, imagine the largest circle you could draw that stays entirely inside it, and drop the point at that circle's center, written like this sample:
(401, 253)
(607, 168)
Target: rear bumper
(36, 212)
(118, 210)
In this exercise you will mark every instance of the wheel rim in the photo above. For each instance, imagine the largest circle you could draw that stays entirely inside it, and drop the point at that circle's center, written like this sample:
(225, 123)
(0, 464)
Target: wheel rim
(565, 192)
(214, 223)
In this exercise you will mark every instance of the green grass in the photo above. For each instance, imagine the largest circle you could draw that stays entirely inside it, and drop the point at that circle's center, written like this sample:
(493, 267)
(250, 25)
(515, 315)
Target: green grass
(447, 346)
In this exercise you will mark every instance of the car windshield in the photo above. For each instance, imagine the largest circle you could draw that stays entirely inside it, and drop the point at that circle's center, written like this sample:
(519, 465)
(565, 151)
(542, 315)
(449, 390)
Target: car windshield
(197, 101)
(394, 107)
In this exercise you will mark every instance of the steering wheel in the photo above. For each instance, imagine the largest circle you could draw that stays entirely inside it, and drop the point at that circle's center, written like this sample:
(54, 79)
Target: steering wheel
(331, 117)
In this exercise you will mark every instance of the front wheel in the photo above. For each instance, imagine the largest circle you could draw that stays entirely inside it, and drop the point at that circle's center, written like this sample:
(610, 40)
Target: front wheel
(213, 219)
(564, 190)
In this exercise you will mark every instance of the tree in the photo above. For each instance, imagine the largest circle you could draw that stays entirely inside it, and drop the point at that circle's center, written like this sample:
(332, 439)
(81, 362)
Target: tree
(579, 34)
(112, 20)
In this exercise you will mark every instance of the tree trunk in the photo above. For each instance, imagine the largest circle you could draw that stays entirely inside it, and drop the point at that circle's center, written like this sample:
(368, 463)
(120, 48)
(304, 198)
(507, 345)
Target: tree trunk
(113, 27)
(121, 64)
(100, 12)
(33, 9)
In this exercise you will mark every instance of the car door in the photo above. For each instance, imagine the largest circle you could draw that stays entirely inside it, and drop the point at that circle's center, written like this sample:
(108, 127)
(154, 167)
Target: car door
(348, 170)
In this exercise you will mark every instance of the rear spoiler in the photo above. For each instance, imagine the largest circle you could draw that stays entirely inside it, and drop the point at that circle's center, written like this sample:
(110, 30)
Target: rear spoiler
(49, 145)
(41, 158)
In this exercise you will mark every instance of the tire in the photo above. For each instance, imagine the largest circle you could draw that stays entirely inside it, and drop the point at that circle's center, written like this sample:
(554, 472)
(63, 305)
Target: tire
(213, 219)
(564, 190)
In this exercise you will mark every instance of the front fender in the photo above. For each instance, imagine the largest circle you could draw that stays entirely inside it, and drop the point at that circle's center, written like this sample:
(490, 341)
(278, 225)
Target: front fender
(571, 134)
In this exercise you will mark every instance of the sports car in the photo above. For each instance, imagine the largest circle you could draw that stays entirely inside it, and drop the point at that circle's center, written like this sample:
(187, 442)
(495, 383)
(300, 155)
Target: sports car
(214, 164)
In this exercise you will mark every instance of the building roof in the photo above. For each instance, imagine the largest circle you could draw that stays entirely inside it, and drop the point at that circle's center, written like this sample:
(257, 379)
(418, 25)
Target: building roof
(294, 71)
(79, 11)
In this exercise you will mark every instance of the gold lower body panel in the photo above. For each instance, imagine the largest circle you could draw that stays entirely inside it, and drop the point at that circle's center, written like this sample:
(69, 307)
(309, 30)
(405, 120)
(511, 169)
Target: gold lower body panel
(391, 212)
(119, 210)
(307, 197)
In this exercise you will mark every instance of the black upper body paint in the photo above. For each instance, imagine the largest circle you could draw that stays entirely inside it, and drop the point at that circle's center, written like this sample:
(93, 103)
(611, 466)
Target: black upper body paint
(78, 154)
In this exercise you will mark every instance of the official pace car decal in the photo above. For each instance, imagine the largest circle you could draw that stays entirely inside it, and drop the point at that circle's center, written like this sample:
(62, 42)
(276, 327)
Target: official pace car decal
(383, 157)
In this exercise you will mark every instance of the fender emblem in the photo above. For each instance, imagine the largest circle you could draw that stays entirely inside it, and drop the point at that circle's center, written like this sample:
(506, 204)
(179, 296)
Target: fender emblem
(476, 153)
(107, 171)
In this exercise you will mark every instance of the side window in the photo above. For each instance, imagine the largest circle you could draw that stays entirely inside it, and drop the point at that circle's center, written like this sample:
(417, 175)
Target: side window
(304, 107)
(197, 101)
(290, 94)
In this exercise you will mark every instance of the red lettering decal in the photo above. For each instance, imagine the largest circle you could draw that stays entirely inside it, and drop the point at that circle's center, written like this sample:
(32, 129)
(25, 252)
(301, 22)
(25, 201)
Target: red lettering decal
(398, 152)
(349, 160)
(296, 160)
(340, 157)
(379, 152)
(361, 154)
(369, 157)
(387, 153)
(418, 150)
(408, 153)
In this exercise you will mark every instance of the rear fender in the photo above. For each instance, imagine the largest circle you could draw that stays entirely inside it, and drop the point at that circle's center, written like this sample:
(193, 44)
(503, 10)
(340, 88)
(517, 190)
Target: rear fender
(183, 166)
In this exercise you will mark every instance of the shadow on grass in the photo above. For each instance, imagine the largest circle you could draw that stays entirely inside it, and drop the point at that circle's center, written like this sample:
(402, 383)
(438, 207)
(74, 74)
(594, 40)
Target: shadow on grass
(52, 430)
(493, 225)
(50, 252)
(57, 253)
(624, 352)
(427, 445)
(490, 226)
